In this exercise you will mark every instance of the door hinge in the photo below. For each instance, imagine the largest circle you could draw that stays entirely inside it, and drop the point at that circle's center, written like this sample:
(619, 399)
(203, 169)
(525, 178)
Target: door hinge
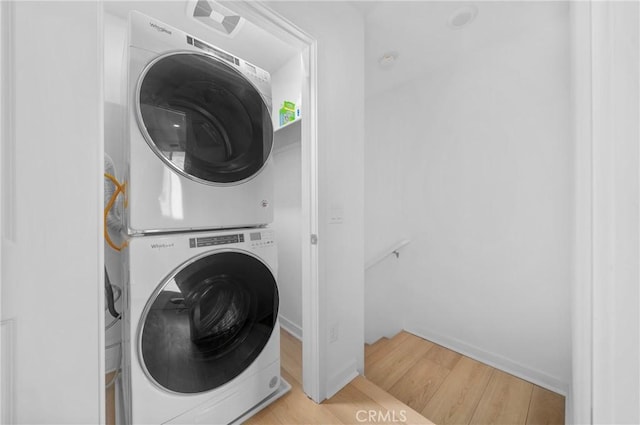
(314, 239)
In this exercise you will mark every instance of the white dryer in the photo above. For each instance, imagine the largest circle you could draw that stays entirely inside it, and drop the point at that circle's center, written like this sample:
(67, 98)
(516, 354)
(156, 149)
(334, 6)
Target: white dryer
(201, 334)
(200, 134)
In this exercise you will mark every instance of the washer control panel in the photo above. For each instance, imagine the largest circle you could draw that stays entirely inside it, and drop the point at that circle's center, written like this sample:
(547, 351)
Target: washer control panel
(260, 238)
(215, 240)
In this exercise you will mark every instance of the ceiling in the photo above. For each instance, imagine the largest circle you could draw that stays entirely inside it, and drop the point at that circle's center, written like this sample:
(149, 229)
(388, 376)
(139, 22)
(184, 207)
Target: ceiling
(251, 43)
(418, 32)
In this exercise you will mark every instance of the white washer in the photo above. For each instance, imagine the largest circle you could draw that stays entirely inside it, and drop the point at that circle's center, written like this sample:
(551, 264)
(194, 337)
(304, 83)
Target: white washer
(201, 333)
(199, 136)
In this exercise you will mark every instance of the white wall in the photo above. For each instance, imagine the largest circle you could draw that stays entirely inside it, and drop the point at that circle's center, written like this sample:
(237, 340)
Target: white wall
(473, 162)
(340, 34)
(287, 224)
(51, 246)
(385, 174)
(286, 84)
(383, 299)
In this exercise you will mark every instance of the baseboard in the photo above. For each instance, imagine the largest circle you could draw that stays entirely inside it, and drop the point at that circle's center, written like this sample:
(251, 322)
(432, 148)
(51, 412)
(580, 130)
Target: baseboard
(290, 327)
(495, 360)
(340, 380)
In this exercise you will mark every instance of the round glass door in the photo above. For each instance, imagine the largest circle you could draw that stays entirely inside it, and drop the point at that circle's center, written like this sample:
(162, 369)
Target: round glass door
(203, 118)
(208, 322)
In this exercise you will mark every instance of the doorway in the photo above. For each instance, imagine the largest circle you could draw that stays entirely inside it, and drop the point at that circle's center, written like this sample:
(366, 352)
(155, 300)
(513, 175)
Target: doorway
(275, 24)
(469, 156)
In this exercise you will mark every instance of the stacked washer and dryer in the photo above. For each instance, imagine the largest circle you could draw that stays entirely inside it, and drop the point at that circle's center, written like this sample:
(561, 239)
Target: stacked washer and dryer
(201, 337)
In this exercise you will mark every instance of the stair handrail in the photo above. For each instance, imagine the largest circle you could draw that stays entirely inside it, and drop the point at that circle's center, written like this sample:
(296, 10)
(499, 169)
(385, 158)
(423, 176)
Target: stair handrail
(394, 249)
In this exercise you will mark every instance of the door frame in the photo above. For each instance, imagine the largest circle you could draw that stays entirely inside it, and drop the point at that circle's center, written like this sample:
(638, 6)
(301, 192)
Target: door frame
(601, 241)
(261, 15)
(6, 146)
(3, 100)
(579, 398)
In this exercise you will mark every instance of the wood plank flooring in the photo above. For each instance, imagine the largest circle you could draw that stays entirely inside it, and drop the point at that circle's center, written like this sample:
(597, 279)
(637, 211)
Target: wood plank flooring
(409, 380)
(449, 388)
(110, 400)
(351, 405)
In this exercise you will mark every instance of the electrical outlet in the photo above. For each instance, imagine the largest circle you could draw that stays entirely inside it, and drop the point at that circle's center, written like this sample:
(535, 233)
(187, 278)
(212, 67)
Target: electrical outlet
(333, 333)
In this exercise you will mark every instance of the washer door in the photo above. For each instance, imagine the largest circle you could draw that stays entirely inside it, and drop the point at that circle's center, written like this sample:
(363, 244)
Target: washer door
(203, 118)
(208, 322)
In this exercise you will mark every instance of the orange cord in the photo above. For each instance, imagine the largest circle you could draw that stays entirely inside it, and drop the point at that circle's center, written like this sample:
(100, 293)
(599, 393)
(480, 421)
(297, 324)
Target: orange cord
(120, 188)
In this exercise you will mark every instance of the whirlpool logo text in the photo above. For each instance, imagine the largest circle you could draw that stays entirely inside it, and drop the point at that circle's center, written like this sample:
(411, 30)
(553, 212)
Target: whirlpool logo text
(159, 28)
(162, 245)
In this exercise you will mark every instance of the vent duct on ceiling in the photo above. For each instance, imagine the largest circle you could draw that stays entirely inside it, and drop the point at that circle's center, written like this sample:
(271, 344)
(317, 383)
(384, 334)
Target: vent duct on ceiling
(215, 16)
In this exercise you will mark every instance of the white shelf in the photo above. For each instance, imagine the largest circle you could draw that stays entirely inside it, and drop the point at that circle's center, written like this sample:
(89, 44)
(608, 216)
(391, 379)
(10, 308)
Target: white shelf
(287, 125)
(288, 134)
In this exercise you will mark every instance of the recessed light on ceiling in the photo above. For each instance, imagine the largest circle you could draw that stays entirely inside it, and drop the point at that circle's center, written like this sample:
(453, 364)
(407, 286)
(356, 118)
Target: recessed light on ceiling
(387, 59)
(462, 17)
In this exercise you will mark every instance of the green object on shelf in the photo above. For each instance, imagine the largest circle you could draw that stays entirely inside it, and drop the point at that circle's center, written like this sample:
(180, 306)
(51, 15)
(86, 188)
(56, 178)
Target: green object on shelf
(287, 112)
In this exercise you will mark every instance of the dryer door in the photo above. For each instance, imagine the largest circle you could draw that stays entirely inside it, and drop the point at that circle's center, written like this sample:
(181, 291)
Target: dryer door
(203, 118)
(208, 322)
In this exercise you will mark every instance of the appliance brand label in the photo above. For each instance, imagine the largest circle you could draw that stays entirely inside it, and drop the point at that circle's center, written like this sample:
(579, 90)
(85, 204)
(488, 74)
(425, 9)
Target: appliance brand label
(159, 28)
(162, 245)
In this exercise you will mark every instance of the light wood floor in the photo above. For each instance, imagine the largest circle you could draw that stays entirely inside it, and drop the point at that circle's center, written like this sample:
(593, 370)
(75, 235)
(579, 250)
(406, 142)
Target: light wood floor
(449, 388)
(346, 407)
(110, 400)
(415, 379)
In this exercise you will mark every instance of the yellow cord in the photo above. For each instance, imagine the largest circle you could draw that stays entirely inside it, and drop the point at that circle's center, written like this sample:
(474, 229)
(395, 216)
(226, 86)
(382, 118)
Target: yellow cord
(120, 188)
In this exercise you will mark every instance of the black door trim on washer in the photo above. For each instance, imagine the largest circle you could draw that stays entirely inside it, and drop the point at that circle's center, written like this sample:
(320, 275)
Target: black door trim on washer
(207, 321)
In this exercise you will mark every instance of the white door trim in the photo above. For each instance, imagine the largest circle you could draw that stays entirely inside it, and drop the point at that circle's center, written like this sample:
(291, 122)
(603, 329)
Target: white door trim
(2, 140)
(606, 238)
(578, 404)
(102, 390)
(615, 194)
(312, 363)
(6, 124)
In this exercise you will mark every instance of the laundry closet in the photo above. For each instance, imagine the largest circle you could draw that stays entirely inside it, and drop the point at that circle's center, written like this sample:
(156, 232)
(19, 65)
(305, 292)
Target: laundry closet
(248, 225)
